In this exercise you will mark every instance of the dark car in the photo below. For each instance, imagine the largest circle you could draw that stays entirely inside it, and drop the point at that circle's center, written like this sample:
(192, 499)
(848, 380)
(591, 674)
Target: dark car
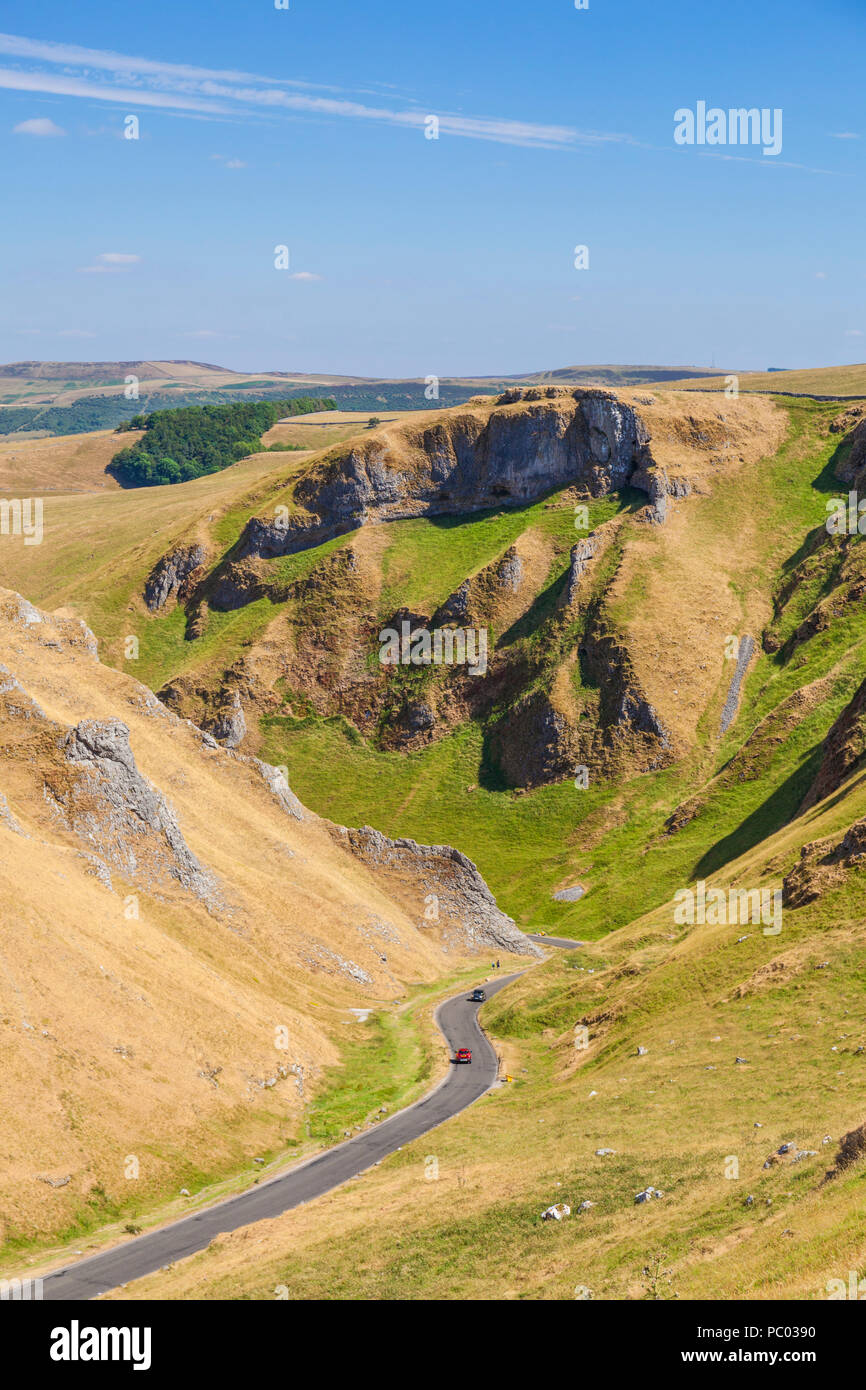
(463, 1055)
(478, 996)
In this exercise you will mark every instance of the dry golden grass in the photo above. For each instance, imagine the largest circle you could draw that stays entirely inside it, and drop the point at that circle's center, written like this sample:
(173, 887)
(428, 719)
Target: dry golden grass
(675, 1117)
(695, 436)
(153, 1035)
(683, 589)
(819, 381)
(67, 463)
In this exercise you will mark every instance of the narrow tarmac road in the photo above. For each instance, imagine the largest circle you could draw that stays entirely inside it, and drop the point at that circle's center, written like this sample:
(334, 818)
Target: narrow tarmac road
(458, 1020)
(563, 942)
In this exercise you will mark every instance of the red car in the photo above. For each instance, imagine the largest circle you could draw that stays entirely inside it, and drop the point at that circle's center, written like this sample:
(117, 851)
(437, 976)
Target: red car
(463, 1055)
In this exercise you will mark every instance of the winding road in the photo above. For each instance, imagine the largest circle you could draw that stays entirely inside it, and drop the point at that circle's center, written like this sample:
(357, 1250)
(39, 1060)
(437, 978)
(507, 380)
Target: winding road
(458, 1020)
(564, 943)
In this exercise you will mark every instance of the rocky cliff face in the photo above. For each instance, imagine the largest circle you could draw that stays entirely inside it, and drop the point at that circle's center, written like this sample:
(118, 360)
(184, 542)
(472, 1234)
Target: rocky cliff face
(116, 812)
(230, 726)
(823, 865)
(851, 467)
(844, 750)
(443, 888)
(578, 564)
(173, 575)
(531, 443)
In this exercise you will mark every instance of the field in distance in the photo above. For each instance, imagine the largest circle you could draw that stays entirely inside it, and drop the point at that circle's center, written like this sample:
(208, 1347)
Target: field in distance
(811, 381)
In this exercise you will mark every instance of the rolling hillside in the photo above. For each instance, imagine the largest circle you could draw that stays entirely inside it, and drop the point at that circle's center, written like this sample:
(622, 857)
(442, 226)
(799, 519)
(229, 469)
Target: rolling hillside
(698, 645)
(187, 946)
(811, 381)
(718, 1065)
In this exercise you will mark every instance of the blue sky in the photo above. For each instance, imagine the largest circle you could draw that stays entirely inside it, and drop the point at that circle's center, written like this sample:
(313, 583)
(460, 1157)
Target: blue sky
(305, 127)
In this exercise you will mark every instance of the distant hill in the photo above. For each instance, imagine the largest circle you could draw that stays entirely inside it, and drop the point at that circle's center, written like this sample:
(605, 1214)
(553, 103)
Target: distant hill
(611, 375)
(808, 381)
(64, 398)
(100, 372)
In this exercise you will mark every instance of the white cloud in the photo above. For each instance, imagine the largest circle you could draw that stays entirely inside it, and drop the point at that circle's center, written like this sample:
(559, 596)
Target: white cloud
(110, 262)
(853, 333)
(72, 55)
(179, 87)
(763, 163)
(304, 275)
(75, 333)
(39, 125)
(820, 275)
(844, 135)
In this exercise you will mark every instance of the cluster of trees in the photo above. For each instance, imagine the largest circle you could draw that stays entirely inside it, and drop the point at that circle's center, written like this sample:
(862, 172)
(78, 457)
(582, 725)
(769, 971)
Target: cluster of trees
(110, 412)
(178, 445)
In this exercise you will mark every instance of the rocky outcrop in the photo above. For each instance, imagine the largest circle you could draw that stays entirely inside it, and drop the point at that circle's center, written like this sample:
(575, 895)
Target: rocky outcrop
(442, 887)
(279, 787)
(416, 717)
(655, 482)
(510, 570)
(114, 810)
(237, 585)
(7, 818)
(455, 609)
(531, 443)
(852, 1147)
(230, 726)
(479, 598)
(844, 750)
(534, 743)
(625, 708)
(171, 576)
(541, 739)
(823, 865)
(47, 629)
(850, 467)
(581, 554)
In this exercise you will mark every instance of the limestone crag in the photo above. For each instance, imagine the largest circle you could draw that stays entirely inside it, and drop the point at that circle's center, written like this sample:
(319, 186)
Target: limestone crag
(278, 785)
(478, 599)
(171, 575)
(535, 744)
(230, 726)
(443, 887)
(843, 752)
(581, 554)
(531, 443)
(823, 865)
(109, 805)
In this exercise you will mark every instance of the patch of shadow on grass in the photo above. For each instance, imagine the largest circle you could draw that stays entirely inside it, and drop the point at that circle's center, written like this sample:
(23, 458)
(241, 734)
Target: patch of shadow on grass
(778, 809)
